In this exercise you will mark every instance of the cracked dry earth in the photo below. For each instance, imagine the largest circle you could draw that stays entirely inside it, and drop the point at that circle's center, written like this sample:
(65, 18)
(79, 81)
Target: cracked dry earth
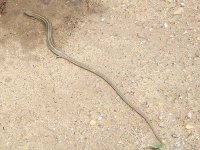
(150, 49)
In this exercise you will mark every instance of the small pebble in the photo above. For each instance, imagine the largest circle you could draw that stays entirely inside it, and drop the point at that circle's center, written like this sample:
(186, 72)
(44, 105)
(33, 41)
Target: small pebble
(182, 4)
(179, 11)
(102, 19)
(162, 125)
(160, 117)
(165, 25)
(150, 29)
(189, 126)
(92, 122)
(198, 38)
(169, 1)
(176, 135)
(100, 117)
(177, 144)
(189, 115)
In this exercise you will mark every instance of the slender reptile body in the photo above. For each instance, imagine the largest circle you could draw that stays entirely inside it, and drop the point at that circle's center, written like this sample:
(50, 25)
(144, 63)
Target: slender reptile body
(61, 54)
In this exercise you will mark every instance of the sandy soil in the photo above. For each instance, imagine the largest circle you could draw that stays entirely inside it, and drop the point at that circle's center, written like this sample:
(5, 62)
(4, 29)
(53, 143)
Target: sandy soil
(150, 49)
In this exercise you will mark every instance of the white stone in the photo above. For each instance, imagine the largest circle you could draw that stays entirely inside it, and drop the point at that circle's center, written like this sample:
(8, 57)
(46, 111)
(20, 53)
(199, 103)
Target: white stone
(189, 115)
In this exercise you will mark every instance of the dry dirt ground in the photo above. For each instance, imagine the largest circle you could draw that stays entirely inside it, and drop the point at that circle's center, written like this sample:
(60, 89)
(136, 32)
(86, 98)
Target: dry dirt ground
(150, 49)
